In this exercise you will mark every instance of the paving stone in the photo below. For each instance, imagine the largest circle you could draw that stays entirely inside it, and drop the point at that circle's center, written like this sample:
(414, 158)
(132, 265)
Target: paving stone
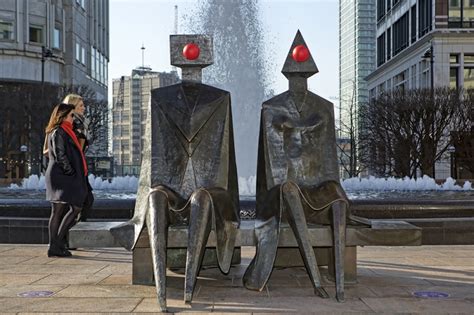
(11, 260)
(99, 291)
(12, 290)
(99, 280)
(71, 305)
(19, 279)
(290, 305)
(417, 305)
(52, 269)
(116, 279)
(174, 305)
(83, 279)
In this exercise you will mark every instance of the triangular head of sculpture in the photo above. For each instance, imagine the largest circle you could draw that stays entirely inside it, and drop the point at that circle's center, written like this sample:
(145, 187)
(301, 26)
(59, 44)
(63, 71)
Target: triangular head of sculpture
(297, 173)
(188, 172)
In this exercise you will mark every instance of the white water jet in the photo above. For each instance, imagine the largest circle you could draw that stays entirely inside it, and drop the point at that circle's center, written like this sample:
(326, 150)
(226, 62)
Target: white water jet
(247, 186)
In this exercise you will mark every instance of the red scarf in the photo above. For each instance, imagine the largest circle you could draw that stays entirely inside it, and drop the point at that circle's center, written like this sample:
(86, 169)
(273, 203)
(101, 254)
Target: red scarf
(67, 126)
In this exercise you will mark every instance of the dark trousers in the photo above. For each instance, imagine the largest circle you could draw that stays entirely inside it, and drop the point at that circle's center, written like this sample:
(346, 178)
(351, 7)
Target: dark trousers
(62, 218)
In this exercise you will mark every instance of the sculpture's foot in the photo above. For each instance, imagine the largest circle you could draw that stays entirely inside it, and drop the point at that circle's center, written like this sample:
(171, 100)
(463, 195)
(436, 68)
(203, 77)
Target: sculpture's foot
(340, 297)
(319, 291)
(188, 296)
(162, 305)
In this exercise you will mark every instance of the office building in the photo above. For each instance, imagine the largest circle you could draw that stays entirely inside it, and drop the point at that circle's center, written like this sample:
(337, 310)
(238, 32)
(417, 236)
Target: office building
(131, 97)
(52, 44)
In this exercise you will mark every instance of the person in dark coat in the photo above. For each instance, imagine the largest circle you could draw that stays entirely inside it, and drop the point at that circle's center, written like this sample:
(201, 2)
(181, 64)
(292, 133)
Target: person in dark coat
(65, 178)
(81, 128)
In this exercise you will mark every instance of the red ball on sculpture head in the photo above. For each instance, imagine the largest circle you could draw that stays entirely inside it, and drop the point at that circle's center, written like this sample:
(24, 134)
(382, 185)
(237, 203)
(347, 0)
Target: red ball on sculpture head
(191, 51)
(300, 53)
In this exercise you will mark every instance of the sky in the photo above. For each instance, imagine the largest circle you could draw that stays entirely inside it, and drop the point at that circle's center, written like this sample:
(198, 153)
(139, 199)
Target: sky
(150, 22)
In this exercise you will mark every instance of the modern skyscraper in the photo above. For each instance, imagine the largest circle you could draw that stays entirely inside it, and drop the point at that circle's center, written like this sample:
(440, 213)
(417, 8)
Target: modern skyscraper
(131, 97)
(356, 61)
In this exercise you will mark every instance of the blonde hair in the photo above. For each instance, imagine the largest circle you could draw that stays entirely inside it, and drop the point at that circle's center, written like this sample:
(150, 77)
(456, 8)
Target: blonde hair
(72, 99)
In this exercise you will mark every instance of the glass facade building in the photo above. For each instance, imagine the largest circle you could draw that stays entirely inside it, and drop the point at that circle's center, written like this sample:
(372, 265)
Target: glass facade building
(356, 54)
(356, 62)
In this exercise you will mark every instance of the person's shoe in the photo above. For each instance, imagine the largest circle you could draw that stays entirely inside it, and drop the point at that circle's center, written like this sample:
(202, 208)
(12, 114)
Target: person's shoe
(56, 252)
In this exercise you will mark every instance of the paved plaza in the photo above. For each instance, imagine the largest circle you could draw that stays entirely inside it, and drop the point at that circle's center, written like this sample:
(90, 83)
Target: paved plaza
(99, 281)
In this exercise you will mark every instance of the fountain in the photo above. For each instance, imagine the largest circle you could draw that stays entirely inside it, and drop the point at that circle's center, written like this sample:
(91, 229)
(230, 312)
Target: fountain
(240, 67)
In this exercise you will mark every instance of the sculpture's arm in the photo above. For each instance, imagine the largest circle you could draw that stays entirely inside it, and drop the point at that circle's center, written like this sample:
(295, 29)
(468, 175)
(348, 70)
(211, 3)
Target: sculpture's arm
(284, 123)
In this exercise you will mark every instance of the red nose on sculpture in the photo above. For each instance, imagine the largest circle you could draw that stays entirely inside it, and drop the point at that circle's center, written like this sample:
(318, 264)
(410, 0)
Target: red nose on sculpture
(300, 53)
(191, 51)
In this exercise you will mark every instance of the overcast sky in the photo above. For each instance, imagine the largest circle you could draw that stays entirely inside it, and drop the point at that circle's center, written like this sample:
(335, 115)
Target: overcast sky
(133, 22)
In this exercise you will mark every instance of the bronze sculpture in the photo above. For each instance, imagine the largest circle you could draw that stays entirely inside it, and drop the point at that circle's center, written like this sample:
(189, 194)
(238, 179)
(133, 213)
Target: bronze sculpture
(188, 173)
(297, 174)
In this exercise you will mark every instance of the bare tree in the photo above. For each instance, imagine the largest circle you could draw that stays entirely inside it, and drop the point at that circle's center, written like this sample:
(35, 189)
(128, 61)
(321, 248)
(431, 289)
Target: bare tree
(97, 113)
(349, 148)
(25, 114)
(406, 132)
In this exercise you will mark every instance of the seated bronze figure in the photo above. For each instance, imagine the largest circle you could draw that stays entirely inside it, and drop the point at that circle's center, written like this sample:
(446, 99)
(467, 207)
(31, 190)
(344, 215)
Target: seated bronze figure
(188, 173)
(297, 174)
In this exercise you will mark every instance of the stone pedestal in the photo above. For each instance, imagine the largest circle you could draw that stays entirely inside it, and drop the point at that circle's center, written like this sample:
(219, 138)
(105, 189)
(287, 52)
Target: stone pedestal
(142, 268)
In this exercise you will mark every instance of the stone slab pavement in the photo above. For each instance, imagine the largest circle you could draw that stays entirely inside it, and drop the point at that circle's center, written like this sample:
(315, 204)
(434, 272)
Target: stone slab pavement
(99, 281)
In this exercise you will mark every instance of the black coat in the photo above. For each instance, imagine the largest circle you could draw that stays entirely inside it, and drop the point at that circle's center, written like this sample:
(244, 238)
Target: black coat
(64, 178)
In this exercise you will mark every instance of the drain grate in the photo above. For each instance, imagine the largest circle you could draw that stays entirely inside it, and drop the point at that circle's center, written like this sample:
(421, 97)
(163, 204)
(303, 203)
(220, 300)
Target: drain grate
(36, 294)
(431, 294)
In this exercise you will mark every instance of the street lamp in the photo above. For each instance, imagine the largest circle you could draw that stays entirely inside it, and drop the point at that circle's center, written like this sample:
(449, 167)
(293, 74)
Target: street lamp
(429, 54)
(452, 159)
(23, 158)
(45, 53)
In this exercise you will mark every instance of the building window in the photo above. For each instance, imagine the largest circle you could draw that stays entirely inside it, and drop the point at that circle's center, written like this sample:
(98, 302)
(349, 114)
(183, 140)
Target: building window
(425, 74)
(399, 81)
(6, 30)
(469, 58)
(380, 9)
(78, 52)
(92, 62)
(400, 34)
(389, 44)
(460, 13)
(83, 55)
(413, 24)
(380, 50)
(414, 77)
(424, 17)
(469, 71)
(57, 38)
(389, 4)
(36, 34)
(82, 3)
(454, 71)
(454, 77)
(468, 77)
(454, 59)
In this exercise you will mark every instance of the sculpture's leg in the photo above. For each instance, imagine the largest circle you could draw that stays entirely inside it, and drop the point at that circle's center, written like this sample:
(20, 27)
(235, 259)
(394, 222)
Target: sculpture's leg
(198, 233)
(267, 233)
(157, 223)
(339, 236)
(297, 221)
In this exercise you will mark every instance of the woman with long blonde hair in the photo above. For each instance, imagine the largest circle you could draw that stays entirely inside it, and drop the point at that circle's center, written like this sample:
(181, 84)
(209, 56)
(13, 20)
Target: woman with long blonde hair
(81, 124)
(65, 177)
